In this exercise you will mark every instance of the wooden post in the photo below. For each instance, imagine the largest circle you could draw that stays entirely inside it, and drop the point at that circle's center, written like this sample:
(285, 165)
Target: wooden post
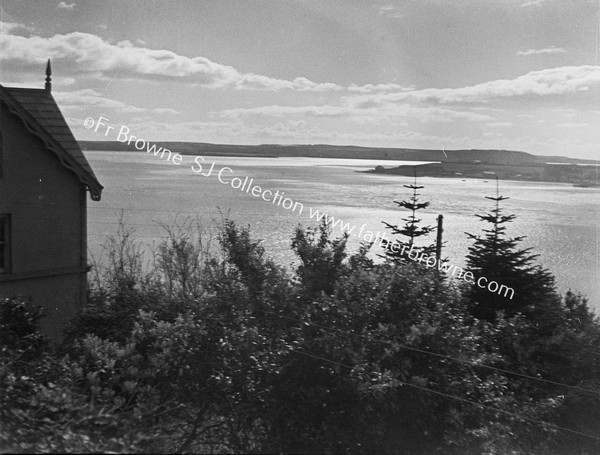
(438, 243)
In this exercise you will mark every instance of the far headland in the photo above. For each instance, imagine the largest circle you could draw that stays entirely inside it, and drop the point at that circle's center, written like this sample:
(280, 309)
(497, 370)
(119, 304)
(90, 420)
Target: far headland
(474, 163)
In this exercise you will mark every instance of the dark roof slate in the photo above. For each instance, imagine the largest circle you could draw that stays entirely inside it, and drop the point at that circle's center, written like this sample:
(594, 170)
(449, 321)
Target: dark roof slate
(42, 108)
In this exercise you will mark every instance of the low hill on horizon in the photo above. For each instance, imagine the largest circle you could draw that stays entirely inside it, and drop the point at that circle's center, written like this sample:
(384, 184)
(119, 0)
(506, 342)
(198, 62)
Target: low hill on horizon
(343, 151)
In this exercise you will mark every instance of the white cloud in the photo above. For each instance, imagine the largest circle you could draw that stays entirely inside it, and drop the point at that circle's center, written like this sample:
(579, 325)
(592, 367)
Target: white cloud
(426, 114)
(533, 4)
(390, 11)
(499, 124)
(288, 131)
(84, 53)
(162, 110)
(368, 88)
(284, 111)
(88, 53)
(536, 84)
(65, 5)
(547, 50)
(572, 125)
(87, 99)
(9, 27)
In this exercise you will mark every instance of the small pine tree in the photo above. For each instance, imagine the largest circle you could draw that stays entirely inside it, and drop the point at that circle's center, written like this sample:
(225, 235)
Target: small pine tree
(498, 258)
(411, 229)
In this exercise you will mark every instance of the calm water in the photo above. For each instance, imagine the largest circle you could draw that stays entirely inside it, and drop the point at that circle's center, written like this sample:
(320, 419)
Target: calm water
(560, 221)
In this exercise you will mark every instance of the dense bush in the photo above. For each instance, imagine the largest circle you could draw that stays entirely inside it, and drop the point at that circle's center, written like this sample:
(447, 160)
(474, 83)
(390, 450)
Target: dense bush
(226, 351)
(41, 409)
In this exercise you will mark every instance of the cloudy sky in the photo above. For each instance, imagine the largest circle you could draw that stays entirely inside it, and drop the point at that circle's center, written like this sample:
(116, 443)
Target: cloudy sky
(510, 74)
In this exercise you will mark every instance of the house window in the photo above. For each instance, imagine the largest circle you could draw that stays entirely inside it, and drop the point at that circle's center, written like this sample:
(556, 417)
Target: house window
(4, 243)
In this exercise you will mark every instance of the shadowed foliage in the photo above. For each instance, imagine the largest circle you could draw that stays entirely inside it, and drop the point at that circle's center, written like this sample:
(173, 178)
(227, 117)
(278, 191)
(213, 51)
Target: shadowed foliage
(225, 351)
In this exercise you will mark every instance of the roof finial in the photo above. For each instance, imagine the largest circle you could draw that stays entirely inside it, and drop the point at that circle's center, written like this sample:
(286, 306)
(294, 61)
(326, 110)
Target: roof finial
(48, 78)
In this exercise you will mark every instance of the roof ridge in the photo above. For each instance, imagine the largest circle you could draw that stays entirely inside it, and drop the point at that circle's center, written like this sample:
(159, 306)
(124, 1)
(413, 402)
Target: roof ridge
(26, 88)
(39, 120)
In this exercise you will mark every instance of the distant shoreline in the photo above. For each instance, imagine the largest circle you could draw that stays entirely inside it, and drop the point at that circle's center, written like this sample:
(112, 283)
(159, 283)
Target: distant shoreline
(343, 151)
(234, 155)
(479, 164)
(581, 176)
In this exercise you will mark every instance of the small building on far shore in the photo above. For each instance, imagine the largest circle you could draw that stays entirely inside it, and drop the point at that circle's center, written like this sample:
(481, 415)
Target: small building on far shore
(44, 181)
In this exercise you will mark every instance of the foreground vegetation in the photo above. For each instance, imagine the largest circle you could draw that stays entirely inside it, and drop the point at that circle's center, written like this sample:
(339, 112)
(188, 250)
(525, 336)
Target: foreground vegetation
(226, 351)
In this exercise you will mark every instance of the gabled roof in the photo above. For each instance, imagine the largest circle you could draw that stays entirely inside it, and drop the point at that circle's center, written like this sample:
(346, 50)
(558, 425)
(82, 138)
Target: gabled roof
(42, 117)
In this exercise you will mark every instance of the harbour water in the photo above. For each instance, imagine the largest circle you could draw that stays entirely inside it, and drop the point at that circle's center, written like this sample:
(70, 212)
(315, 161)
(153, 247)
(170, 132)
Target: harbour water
(560, 222)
